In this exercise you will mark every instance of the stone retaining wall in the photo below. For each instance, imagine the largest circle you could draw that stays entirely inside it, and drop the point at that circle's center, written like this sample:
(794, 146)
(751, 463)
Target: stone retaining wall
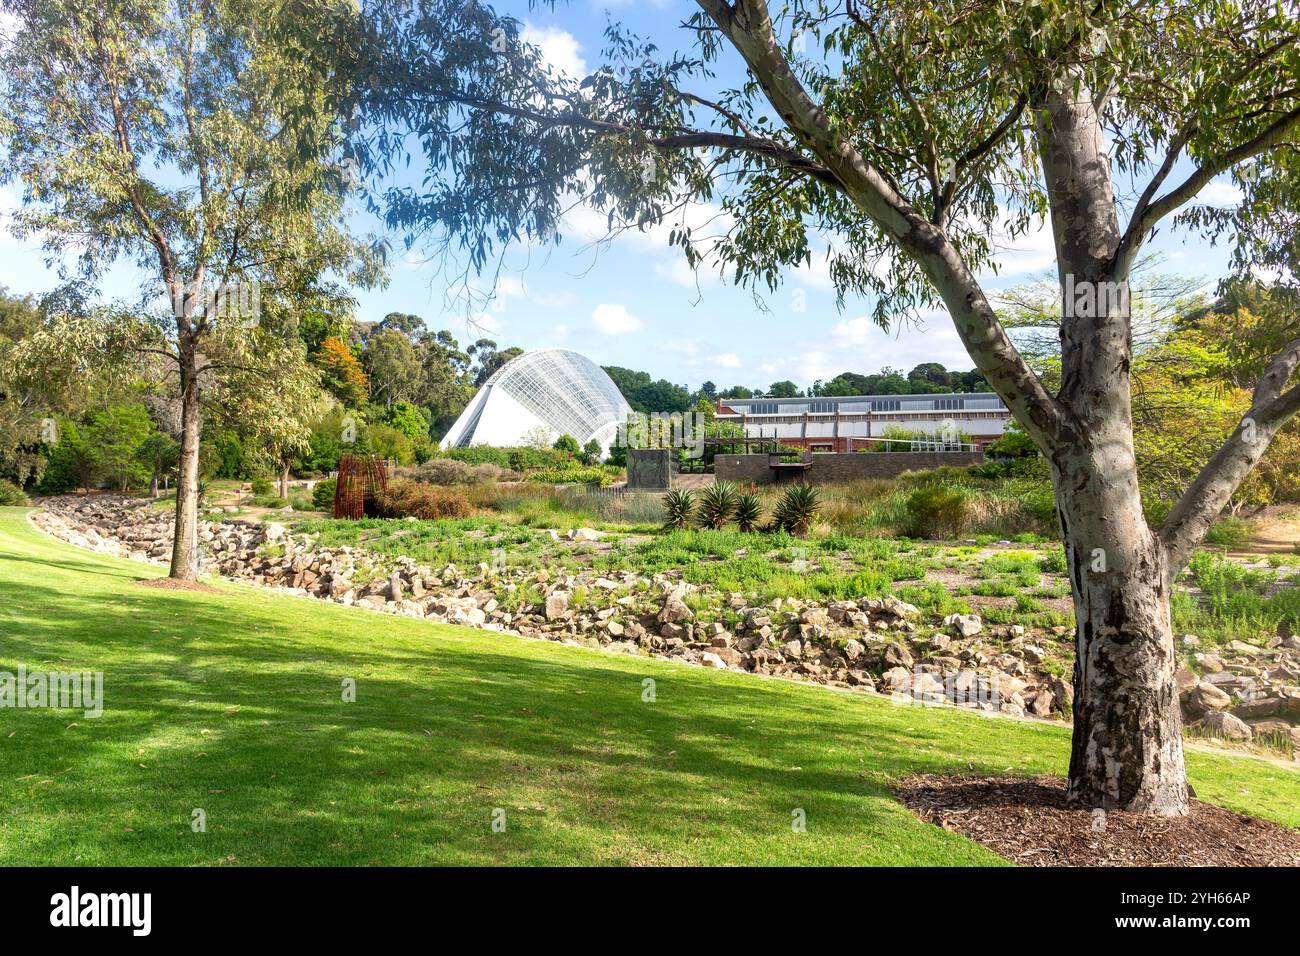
(831, 467)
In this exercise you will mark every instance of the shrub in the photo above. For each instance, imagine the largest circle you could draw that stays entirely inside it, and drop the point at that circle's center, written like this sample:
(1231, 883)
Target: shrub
(261, 487)
(1230, 532)
(568, 445)
(405, 498)
(516, 458)
(322, 495)
(449, 471)
(11, 494)
(573, 476)
(679, 506)
(718, 502)
(797, 509)
(938, 511)
(749, 512)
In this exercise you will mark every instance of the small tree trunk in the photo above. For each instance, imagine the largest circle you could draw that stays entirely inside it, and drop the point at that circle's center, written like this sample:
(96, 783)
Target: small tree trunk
(284, 481)
(185, 543)
(1127, 750)
(153, 484)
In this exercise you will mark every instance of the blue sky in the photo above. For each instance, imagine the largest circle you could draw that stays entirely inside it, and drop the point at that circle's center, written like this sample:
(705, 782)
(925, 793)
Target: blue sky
(634, 302)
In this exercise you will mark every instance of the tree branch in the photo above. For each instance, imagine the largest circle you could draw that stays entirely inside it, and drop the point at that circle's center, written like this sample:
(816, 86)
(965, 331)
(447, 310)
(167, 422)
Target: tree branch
(748, 27)
(1148, 212)
(1207, 496)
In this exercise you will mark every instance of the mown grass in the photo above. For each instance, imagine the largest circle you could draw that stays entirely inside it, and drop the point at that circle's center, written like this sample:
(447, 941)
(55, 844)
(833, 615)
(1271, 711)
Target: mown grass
(231, 702)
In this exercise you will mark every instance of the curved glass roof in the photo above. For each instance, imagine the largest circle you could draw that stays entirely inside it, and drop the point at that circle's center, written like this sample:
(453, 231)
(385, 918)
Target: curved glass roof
(566, 392)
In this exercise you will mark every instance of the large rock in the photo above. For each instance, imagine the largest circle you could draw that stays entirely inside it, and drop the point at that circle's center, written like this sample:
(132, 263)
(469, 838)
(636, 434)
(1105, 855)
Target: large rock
(1222, 724)
(1204, 698)
(557, 605)
(965, 625)
(675, 610)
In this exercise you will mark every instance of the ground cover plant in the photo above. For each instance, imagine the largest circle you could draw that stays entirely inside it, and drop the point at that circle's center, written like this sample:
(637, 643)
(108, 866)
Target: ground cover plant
(230, 701)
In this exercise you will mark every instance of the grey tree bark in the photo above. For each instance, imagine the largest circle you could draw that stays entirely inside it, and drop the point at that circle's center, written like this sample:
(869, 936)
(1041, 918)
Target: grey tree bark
(1127, 750)
(185, 540)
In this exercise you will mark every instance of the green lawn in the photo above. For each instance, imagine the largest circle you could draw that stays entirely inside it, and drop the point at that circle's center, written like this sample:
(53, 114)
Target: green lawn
(232, 703)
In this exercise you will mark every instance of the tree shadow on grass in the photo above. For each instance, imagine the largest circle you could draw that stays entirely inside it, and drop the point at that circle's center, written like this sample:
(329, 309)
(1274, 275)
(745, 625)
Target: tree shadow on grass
(239, 711)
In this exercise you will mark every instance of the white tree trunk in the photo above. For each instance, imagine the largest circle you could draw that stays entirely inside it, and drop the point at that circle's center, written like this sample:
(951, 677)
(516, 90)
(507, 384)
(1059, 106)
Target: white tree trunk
(185, 542)
(1127, 750)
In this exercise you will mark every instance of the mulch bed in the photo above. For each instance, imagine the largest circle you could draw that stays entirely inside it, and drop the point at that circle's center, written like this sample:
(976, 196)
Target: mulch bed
(171, 584)
(1026, 821)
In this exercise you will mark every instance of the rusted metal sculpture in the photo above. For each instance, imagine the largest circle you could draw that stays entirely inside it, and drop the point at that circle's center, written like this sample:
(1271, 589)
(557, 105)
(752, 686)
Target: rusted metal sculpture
(361, 479)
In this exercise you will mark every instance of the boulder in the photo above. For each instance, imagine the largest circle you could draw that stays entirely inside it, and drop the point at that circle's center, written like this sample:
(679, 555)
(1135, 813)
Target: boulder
(675, 610)
(1204, 698)
(1222, 724)
(964, 625)
(557, 605)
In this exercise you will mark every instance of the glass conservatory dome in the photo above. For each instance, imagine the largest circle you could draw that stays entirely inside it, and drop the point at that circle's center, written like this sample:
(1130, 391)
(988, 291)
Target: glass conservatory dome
(554, 389)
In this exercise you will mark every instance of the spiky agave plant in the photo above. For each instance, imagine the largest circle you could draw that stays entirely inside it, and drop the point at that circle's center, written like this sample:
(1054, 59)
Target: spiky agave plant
(718, 503)
(749, 511)
(798, 508)
(679, 507)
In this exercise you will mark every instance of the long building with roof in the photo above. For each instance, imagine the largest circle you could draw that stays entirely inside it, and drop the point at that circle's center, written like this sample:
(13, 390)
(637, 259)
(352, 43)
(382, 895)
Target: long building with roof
(855, 422)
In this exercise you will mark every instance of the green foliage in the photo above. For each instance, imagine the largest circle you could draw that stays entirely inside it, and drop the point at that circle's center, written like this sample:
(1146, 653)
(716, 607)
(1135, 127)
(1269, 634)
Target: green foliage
(797, 509)
(1230, 532)
(1014, 443)
(11, 495)
(679, 508)
(449, 471)
(718, 504)
(389, 443)
(568, 445)
(647, 396)
(410, 420)
(749, 512)
(574, 476)
(938, 511)
(322, 494)
(71, 465)
(261, 487)
(591, 452)
(1235, 603)
(521, 459)
(899, 439)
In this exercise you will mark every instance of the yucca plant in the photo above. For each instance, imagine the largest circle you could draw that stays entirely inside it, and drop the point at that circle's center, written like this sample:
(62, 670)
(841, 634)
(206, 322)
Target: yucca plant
(749, 512)
(797, 509)
(718, 503)
(679, 506)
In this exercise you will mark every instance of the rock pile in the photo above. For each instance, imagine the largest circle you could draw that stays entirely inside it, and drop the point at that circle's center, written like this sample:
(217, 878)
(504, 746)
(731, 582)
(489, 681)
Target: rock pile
(880, 645)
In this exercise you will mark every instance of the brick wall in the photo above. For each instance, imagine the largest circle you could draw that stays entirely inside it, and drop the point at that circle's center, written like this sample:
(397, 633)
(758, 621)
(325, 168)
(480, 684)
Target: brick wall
(827, 467)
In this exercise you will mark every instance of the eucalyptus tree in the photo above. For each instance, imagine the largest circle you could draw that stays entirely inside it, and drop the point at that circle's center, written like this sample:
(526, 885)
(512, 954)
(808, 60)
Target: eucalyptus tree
(920, 137)
(196, 141)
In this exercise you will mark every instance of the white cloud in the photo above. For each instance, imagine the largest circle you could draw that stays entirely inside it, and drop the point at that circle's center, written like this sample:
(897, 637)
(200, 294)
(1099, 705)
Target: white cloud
(1220, 192)
(1025, 254)
(816, 364)
(727, 360)
(560, 49)
(614, 319)
(852, 331)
